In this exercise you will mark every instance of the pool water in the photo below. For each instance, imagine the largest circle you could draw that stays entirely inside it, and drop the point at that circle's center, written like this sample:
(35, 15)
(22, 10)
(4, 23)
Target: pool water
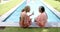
(34, 5)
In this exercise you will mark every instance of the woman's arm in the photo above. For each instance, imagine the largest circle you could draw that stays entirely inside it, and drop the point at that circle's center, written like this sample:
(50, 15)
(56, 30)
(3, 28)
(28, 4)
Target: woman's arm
(31, 14)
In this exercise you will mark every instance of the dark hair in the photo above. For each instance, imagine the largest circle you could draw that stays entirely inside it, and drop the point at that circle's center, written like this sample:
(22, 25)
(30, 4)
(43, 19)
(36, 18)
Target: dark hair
(23, 10)
(41, 9)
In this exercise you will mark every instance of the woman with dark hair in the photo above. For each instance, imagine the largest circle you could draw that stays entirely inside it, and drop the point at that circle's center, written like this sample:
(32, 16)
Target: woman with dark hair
(42, 18)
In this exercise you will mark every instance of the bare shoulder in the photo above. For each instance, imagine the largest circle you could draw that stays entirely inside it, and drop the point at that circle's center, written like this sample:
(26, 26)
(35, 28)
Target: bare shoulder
(23, 14)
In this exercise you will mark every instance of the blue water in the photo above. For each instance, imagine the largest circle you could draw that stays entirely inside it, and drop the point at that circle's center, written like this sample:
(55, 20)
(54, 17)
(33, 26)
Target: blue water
(34, 7)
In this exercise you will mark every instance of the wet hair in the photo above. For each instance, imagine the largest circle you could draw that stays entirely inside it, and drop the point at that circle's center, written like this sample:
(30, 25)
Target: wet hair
(27, 8)
(41, 9)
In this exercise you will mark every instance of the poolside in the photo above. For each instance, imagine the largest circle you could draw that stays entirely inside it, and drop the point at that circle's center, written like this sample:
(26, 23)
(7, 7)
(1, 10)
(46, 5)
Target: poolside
(13, 18)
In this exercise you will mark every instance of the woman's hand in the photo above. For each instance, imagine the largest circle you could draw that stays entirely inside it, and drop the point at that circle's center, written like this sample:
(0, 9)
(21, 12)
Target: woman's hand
(31, 14)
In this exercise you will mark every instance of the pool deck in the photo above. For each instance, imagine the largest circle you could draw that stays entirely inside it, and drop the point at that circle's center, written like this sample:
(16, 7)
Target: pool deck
(50, 24)
(12, 24)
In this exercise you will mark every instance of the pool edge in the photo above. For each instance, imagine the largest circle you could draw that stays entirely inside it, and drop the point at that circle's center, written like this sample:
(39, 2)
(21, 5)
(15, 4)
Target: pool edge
(3, 17)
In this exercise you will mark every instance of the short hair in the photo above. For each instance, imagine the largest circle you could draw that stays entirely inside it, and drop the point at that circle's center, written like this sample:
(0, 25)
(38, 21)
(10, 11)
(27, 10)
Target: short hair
(41, 9)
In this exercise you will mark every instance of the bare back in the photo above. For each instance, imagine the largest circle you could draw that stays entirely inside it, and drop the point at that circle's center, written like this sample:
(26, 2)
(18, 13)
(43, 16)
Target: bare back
(25, 20)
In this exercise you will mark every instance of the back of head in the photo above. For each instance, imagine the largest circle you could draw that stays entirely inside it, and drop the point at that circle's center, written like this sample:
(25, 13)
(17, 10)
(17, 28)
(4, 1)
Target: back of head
(27, 8)
(41, 9)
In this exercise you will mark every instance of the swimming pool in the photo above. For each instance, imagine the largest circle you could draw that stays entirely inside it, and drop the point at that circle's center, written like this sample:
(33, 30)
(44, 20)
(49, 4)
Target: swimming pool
(14, 17)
